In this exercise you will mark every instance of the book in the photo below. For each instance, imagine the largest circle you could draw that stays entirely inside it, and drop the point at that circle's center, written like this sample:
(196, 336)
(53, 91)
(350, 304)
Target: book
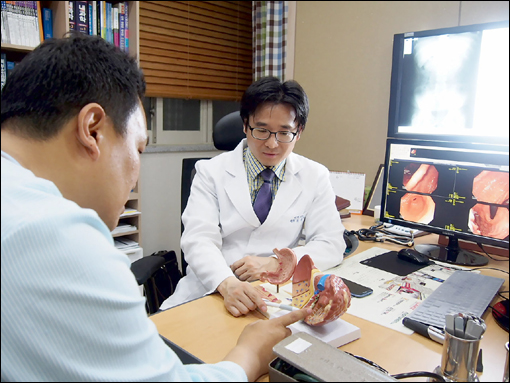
(48, 23)
(93, 4)
(4, 69)
(126, 25)
(72, 16)
(108, 20)
(81, 13)
(115, 21)
(38, 12)
(122, 27)
(9, 68)
(90, 17)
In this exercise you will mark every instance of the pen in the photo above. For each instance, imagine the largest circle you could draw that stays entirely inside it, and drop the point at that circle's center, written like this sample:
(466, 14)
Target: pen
(430, 332)
(280, 306)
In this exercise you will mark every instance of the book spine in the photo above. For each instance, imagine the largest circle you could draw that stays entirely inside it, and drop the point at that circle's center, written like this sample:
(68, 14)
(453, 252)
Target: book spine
(109, 29)
(5, 24)
(122, 27)
(94, 18)
(4, 68)
(72, 16)
(82, 23)
(39, 20)
(90, 17)
(115, 20)
(48, 23)
(126, 24)
(103, 19)
(15, 39)
(10, 67)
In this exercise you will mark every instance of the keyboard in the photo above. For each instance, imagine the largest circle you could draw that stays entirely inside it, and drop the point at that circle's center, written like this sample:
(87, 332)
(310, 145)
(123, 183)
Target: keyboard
(463, 292)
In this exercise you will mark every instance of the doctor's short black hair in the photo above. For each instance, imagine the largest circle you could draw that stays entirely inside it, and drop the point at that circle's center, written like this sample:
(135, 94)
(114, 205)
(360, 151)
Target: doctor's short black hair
(60, 76)
(273, 90)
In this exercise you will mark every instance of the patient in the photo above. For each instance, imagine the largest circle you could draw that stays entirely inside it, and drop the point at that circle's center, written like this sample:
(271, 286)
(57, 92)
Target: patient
(72, 132)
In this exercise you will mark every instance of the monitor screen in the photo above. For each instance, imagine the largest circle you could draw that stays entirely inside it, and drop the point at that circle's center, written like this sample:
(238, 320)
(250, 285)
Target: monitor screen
(451, 84)
(457, 190)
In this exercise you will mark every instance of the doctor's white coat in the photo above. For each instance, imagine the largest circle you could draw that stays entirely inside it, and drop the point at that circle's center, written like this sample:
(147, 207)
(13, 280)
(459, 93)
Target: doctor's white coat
(221, 226)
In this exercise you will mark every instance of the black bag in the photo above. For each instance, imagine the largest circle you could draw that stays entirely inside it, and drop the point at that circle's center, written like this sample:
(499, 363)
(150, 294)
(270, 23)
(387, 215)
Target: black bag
(165, 280)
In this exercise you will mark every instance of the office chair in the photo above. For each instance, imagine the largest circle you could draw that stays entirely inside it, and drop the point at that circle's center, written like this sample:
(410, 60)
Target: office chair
(227, 133)
(158, 274)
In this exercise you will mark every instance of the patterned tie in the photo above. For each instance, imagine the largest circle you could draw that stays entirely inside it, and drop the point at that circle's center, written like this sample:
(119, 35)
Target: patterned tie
(263, 200)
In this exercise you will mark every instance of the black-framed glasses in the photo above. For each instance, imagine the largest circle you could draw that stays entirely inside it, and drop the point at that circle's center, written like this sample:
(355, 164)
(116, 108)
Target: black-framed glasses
(283, 136)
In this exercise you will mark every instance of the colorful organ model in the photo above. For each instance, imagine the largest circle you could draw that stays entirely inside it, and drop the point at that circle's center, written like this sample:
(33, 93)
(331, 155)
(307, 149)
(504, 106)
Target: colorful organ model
(326, 294)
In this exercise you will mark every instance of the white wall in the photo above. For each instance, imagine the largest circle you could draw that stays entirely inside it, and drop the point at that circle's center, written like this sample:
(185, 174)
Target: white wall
(160, 188)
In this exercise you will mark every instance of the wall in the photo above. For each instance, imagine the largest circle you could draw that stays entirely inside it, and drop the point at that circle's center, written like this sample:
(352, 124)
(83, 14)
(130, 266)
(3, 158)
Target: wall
(160, 187)
(343, 61)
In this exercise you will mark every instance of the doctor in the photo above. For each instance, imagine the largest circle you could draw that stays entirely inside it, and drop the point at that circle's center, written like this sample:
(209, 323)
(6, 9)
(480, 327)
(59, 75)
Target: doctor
(227, 240)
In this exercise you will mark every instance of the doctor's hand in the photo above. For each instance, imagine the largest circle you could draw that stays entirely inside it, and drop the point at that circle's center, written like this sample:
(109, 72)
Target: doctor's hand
(240, 297)
(254, 349)
(250, 267)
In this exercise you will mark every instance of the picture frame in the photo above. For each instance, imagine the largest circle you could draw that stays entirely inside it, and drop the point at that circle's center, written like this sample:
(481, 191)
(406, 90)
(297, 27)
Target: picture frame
(375, 195)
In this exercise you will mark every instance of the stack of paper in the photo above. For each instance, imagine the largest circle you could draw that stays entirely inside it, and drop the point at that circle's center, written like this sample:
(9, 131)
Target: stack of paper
(124, 243)
(123, 228)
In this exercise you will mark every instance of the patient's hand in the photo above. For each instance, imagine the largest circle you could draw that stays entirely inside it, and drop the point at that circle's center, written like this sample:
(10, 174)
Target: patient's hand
(250, 267)
(240, 297)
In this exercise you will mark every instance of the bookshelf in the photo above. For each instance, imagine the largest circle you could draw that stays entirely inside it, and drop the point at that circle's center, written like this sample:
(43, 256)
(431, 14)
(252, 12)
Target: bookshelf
(131, 220)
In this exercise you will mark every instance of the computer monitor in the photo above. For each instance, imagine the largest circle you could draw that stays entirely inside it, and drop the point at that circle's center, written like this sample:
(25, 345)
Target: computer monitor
(451, 84)
(447, 188)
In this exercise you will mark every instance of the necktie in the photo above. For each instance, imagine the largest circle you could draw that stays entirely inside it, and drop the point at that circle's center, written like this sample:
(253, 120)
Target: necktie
(263, 200)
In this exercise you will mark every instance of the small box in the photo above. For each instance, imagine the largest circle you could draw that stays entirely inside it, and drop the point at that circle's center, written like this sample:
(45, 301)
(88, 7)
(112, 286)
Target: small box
(304, 354)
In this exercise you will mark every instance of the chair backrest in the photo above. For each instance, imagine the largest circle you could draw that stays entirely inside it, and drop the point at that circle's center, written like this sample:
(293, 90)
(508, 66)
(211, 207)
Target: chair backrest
(228, 131)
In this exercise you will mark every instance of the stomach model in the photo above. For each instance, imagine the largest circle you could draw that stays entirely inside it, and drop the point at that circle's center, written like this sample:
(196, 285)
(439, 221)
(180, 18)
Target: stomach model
(327, 295)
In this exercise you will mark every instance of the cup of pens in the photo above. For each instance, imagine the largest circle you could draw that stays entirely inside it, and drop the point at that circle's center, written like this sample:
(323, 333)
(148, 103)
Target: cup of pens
(462, 336)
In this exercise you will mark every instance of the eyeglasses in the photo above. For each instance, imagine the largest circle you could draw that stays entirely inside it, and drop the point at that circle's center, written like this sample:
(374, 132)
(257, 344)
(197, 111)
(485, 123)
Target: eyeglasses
(284, 136)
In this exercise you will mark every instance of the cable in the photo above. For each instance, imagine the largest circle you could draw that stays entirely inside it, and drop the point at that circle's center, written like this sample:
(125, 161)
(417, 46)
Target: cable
(488, 268)
(488, 255)
(427, 374)
(377, 235)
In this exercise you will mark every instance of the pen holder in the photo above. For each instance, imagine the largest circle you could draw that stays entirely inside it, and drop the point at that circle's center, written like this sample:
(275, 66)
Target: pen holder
(458, 363)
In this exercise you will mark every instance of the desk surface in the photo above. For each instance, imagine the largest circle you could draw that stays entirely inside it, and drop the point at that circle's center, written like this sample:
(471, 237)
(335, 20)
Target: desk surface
(206, 329)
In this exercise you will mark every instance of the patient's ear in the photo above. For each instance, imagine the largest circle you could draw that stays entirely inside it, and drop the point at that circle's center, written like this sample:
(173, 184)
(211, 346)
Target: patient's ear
(90, 127)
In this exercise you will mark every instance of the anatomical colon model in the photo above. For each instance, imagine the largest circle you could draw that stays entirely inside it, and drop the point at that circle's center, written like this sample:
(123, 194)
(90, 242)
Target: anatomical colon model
(327, 295)
(421, 179)
(490, 220)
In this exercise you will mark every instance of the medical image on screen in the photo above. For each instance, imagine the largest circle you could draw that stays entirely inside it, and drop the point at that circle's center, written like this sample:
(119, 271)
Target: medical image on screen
(489, 221)
(491, 187)
(420, 178)
(460, 194)
(417, 208)
(488, 217)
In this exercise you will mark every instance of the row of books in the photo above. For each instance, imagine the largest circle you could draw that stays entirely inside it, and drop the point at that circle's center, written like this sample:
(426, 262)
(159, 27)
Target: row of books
(7, 67)
(22, 23)
(101, 18)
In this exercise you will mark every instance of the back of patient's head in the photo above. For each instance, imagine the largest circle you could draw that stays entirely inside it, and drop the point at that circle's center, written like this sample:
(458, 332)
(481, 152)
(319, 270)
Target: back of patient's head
(59, 77)
(272, 90)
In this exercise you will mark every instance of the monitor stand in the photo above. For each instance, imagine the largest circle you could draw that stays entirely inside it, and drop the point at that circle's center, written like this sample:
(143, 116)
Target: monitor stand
(452, 254)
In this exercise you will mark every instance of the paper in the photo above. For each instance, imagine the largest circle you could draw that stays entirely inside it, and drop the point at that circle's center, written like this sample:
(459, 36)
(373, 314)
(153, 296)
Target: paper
(394, 297)
(350, 186)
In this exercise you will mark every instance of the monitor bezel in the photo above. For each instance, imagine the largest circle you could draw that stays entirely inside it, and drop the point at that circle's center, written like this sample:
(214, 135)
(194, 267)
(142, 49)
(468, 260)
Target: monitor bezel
(396, 79)
(431, 229)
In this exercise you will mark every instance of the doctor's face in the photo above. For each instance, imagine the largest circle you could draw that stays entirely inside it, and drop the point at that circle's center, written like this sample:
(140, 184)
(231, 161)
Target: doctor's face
(274, 118)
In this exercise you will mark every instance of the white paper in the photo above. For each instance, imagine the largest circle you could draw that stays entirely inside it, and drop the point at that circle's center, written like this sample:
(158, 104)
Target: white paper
(350, 186)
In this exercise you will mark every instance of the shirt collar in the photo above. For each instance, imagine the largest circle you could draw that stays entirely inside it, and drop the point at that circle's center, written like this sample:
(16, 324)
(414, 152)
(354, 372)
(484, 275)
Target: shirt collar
(254, 167)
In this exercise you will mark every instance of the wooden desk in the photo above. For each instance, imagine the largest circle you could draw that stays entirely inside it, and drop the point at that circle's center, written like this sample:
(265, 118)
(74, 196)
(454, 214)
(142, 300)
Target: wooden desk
(206, 329)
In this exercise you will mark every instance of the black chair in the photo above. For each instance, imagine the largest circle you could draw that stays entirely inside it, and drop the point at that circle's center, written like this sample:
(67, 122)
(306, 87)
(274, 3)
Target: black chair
(158, 274)
(227, 133)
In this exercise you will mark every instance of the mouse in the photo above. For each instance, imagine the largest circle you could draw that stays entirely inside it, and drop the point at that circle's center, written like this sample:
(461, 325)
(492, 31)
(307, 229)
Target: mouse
(413, 256)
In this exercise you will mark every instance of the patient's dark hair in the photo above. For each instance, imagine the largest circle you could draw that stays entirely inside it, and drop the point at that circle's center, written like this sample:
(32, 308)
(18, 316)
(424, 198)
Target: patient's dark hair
(59, 77)
(274, 91)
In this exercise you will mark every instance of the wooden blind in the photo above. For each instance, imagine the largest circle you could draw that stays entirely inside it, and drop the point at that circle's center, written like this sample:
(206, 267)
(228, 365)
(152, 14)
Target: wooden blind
(196, 49)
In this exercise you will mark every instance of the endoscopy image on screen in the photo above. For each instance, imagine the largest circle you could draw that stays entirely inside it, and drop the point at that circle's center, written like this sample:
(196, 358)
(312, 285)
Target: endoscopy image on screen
(448, 189)
(490, 216)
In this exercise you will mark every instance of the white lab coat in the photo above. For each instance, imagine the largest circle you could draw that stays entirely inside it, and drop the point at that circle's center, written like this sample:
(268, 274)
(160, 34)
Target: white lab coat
(221, 226)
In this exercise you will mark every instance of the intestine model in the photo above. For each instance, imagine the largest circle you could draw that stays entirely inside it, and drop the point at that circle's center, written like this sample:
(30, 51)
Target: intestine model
(327, 295)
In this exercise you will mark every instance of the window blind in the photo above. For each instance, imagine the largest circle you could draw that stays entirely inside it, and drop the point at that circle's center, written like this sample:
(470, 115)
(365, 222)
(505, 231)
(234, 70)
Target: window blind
(196, 49)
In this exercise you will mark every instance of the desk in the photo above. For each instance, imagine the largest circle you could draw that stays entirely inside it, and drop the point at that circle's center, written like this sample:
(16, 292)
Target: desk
(206, 329)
